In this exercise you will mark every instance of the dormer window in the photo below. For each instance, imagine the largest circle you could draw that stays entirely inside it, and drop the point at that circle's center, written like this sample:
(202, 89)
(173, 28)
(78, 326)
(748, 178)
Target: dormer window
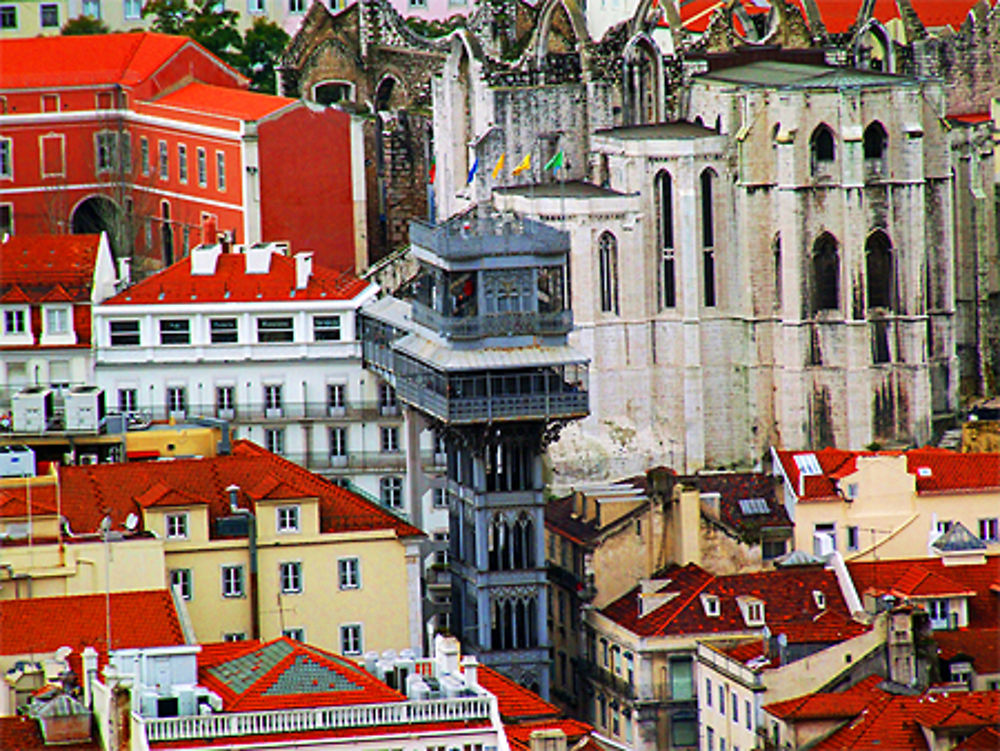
(288, 519)
(711, 605)
(753, 610)
(177, 526)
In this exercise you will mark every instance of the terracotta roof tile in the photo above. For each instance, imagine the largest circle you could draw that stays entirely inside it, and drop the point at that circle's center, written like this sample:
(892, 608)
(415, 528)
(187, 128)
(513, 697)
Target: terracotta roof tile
(515, 701)
(43, 624)
(987, 739)
(286, 674)
(226, 101)
(519, 736)
(787, 593)
(981, 645)
(35, 267)
(24, 734)
(126, 59)
(935, 470)
(844, 704)
(90, 492)
(984, 605)
(231, 283)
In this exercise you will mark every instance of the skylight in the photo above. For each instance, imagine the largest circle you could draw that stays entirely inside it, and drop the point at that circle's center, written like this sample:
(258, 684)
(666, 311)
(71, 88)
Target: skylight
(752, 506)
(808, 464)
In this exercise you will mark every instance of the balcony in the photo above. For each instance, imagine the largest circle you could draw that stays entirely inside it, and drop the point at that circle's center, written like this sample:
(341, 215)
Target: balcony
(235, 724)
(495, 324)
(618, 685)
(243, 412)
(488, 235)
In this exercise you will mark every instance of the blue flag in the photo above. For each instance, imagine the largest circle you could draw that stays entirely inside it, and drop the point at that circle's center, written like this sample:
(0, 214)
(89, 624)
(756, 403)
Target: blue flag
(472, 172)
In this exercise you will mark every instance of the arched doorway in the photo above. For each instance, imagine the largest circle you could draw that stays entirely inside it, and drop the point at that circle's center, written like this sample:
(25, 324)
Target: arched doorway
(98, 214)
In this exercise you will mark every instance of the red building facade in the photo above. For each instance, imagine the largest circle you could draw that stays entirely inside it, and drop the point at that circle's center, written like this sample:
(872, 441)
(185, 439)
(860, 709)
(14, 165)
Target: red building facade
(153, 140)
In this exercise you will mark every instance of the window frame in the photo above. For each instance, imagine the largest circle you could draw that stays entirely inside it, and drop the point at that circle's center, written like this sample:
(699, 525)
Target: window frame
(327, 328)
(607, 260)
(144, 163)
(41, 15)
(174, 331)
(219, 334)
(290, 578)
(989, 526)
(269, 332)
(125, 331)
(356, 644)
(176, 526)
(176, 400)
(220, 171)
(389, 439)
(349, 572)
(182, 163)
(274, 440)
(184, 578)
(164, 160)
(8, 12)
(233, 588)
(391, 486)
(288, 519)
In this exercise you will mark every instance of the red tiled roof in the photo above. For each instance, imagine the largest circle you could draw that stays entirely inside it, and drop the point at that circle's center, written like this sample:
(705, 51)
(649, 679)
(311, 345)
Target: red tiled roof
(286, 674)
(24, 734)
(125, 59)
(972, 119)
(896, 721)
(231, 283)
(41, 625)
(515, 701)
(948, 471)
(307, 736)
(223, 100)
(987, 739)
(789, 604)
(519, 736)
(843, 704)
(34, 268)
(90, 492)
(981, 645)
(983, 606)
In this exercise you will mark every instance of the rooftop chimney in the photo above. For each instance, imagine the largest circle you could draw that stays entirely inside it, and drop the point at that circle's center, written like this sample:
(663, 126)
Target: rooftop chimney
(549, 739)
(124, 271)
(209, 231)
(470, 667)
(303, 268)
(446, 653)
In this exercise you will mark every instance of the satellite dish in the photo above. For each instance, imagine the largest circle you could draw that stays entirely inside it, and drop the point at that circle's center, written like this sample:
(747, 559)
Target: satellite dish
(132, 522)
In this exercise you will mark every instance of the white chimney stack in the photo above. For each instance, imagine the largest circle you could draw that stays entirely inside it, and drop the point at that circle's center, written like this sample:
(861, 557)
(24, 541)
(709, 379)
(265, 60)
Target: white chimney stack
(303, 268)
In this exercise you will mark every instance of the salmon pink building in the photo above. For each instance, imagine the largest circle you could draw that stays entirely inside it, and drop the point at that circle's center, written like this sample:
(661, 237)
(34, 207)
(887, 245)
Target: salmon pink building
(155, 141)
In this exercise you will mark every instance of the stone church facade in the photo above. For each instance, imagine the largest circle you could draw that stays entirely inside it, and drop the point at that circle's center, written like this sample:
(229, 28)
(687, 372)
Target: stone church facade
(765, 250)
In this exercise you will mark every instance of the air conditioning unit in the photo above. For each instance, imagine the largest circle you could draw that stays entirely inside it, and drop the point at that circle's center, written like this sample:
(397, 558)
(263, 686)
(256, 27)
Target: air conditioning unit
(88, 459)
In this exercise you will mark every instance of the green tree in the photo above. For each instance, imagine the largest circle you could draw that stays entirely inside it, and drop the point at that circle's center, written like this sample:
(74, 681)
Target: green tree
(214, 28)
(262, 45)
(169, 16)
(83, 25)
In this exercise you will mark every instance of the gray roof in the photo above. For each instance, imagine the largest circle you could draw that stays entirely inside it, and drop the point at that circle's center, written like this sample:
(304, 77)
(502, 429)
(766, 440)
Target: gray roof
(440, 355)
(484, 231)
(958, 539)
(776, 74)
(659, 132)
(567, 189)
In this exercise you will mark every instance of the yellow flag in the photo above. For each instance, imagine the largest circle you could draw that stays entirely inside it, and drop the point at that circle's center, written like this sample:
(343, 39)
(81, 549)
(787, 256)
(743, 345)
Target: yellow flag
(525, 164)
(500, 161)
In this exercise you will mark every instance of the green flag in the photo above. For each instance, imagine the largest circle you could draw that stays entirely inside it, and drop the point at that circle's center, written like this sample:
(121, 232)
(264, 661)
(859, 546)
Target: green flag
(555, 162)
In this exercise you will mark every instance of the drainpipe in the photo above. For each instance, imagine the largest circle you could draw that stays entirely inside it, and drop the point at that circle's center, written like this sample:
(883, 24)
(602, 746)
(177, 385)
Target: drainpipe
(233, 490)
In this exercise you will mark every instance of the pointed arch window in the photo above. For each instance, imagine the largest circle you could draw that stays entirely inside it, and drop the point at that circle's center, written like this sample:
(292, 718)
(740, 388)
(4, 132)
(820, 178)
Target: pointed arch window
(823, 150)
(664, 194)
(880, 271)
(607, 248)
(825, 274)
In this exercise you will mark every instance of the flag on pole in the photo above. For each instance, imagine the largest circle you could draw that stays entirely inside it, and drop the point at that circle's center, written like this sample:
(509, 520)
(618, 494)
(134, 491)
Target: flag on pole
(555, 162)
(433, 170)
(524, 165)
(472, 172)
(499, 166)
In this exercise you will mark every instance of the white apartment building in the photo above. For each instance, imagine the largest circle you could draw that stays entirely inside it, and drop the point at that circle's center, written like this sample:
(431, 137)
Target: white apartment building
(266, 341)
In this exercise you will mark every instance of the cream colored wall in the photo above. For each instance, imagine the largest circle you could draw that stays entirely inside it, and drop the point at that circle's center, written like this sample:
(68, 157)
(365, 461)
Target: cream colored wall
(322, 607)
(267, 520)
(186, 441)
(81, 568)
(886, 502)
(624, 557)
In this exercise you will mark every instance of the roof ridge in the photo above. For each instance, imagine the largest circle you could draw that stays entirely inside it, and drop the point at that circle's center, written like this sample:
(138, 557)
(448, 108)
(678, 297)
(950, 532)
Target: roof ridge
(698, 591)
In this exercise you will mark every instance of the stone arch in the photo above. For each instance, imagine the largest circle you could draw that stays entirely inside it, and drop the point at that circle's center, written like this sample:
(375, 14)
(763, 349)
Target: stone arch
(98, 213)
(876, 140)
(642, 85)
(880, 271)
(332, 91)
(825, 274)
(390, 92)
(873, 47)
(546, 16)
